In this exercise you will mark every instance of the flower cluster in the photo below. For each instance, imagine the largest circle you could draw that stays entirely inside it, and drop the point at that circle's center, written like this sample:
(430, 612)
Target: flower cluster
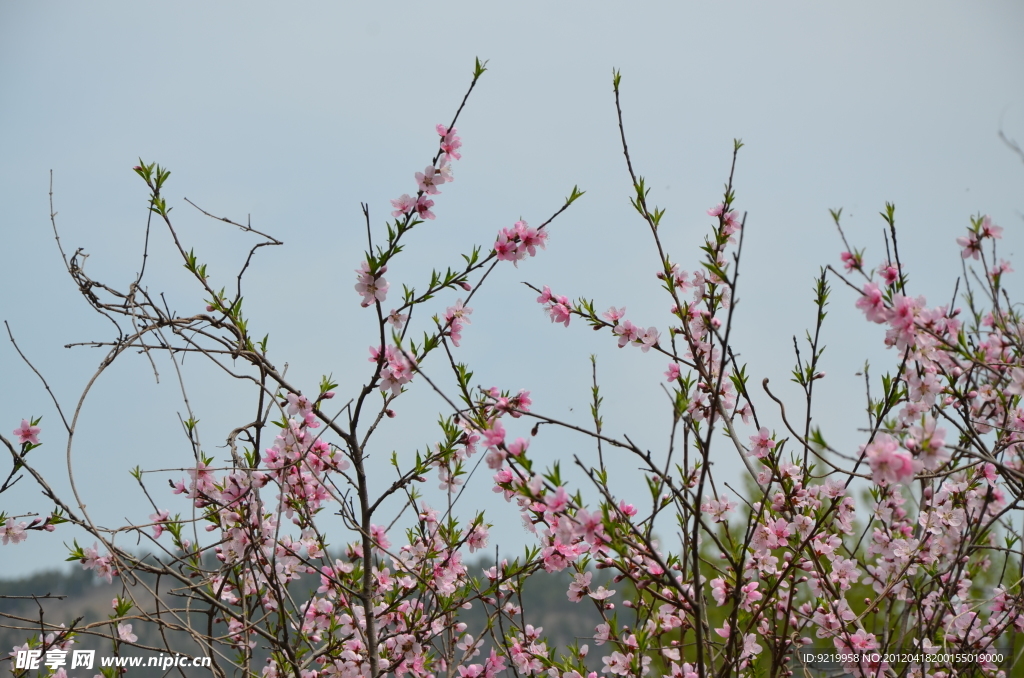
(981, 229)
(430, 178)
(491, 407)
(372, 284)
(852, 261)
(420, 204)
(630, 334)
(557, 307)
(397, 370)
(455, 317)
(890, 464)
(516, 243)
(413, 585)
(102, 565)
(799, 567)
(730, 221)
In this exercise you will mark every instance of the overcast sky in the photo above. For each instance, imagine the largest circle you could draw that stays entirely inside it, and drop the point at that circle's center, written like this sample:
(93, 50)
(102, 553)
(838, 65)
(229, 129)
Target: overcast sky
(294, 113)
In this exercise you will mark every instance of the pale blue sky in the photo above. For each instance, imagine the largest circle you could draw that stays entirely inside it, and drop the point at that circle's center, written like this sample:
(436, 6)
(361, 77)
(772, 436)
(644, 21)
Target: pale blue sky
(296, 113)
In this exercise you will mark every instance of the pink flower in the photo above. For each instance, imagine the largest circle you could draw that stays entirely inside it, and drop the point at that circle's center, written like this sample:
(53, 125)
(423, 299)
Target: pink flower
(680, 278)
(514, 244)
(627, 331)
(730, 224)
(589, 525)
(579, 587)
(494, 665)
(560, 313)
(203, 479)
(429, 180)
(719, 508)
(529, 239)
(999, 269)
(903, 319)
(928, 442)
(989, 230)
(673, 372)
(379, 536)
(505, 248)
(372, 287)
(450, 142)
(477, 538)
(518, 447)
(614, 315)
(403, 205)
(744, 412)
(617, 663)
(124, 632)
(851, 261)
(298, 404)
(515, 405)
(423, 205)
(719, 590)
(495, 435)
(397, 319)
(103, 565)
(890, 274)
(159, 518)
(858, 642)
(971, 245)
(730, 220)
(27, 433)
(844, 572)
(750, 646)
(397, 370)
(445, 168)
(454, 317)
(871, 303)
(558, 307)
(649, 339)
(11, 532)
(889, 464)
(762, 444)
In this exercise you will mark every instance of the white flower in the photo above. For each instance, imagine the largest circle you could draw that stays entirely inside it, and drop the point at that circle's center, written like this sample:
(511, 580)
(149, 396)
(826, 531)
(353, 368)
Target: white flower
(124, 632)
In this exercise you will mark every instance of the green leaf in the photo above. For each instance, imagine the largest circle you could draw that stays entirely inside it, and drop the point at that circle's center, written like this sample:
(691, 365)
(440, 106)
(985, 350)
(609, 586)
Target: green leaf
(576, 193)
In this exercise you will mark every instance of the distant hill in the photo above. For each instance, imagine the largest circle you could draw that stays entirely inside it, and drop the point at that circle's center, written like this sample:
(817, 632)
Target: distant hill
(88, 600)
